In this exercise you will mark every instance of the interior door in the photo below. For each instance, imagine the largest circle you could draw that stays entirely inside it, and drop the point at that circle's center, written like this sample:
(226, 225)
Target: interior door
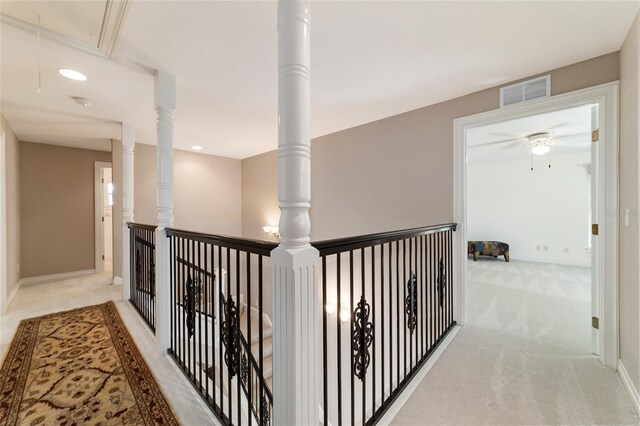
(595, 220)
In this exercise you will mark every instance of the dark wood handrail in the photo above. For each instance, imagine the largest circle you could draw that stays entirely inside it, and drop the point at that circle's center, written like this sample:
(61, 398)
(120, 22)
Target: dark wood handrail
(141, 226)
(351, 243)
(245, 244)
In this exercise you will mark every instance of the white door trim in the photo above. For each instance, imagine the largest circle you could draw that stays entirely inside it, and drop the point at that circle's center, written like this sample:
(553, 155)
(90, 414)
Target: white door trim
(4, 297)
(606, 96)
(98, 196)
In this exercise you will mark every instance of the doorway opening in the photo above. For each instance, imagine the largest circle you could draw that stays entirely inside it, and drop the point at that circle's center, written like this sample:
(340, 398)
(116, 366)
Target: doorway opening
(104, 216)
(603, 103)
(529, 215)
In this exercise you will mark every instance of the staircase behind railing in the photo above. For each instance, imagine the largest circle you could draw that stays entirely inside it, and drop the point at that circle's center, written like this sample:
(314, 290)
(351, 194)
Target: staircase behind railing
(142, 285)
(219, 324)
(388, 304)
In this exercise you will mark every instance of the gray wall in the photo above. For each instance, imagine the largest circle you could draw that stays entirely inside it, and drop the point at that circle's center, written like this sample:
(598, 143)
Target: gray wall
(393, 173)
(12, 176)
(207, 191)
(628, 243)
(57, 205)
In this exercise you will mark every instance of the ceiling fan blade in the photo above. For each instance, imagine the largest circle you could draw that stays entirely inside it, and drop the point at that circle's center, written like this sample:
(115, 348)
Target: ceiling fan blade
(561, 139)
(496, 143)
(514, 144)
(557, 126)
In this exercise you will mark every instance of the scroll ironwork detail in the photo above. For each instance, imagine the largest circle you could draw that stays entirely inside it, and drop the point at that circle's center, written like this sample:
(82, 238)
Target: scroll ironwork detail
(362, 336)
(230, 336)
(442, 282)
(411, 303)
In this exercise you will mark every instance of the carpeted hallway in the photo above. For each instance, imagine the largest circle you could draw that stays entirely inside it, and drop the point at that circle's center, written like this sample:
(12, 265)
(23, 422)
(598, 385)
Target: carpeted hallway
(525, 356)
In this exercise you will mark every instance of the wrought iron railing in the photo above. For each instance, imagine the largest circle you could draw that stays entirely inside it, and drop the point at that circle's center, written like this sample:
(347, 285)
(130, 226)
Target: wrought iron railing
(219, 322)
(388, 305)
(142, 284)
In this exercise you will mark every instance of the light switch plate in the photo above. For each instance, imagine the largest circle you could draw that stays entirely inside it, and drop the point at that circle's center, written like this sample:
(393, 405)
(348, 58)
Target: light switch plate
(627, 214)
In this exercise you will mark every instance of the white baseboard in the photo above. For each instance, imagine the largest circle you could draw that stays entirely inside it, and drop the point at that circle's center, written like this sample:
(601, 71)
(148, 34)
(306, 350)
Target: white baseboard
(55, 277)
(117, 280)
(628, 384)
(12, 295)
(413, 385)
(551, 261)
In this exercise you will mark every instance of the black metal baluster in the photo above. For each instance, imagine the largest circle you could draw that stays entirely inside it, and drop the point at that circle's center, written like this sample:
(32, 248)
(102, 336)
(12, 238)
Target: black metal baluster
(364, 376)
(416, 294)
(390, 284)
(239, 333)
(200, 282)
(382, 327)
(404, 297)
(261, 342)
(410, 298)
(226, 311)
(172, 284)
(373, 316)
(351, 308)
(339, 337)
(183, 334)
(219, 321)
(441, 311)
(208, 250)
(191, 311)
(450, 280)
(249, 341)
(397, 285)
(432, 303)
(325, 395)
(425, 296)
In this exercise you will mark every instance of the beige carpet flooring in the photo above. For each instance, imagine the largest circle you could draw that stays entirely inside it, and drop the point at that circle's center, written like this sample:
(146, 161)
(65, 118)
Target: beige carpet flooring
(524, 358)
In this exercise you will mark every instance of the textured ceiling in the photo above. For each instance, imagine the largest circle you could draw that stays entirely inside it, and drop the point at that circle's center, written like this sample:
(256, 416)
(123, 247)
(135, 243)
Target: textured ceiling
(370, 60)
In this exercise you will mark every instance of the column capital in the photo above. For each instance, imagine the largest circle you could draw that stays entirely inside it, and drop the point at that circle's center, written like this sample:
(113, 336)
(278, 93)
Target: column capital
(165, 91)
(128, 132)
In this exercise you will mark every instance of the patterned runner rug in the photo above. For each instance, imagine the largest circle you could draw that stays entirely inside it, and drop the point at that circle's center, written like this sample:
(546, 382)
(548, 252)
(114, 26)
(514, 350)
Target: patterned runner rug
(79, 367)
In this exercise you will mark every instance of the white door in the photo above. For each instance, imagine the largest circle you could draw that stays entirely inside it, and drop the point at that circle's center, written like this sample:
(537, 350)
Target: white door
(595, 220)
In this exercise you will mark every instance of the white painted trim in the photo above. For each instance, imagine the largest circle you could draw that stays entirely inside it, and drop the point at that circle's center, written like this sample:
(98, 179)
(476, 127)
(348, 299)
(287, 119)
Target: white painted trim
(12, 296)
(97, 209)
(629, 386)
(413, 385)
(5, 299)
(606, 95)
(555, 262)
(55, 277)
(117, 280)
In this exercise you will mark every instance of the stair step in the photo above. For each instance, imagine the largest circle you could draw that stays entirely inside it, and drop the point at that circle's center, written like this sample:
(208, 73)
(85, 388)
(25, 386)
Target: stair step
(267, 348)
(255, 328)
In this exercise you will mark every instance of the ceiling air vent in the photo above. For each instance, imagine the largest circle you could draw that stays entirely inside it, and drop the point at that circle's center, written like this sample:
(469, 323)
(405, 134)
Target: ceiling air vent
(533, 89)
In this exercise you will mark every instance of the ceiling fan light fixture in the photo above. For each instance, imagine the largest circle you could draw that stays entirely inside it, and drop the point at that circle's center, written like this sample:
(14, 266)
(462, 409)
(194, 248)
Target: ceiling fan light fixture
(540, 149)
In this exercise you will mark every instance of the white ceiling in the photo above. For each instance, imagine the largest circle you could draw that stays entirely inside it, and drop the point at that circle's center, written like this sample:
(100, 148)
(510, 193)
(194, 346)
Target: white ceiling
(570, 132)
(370, 60)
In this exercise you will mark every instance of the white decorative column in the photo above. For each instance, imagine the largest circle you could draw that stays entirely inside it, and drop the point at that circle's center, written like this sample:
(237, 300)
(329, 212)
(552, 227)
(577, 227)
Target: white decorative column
(128, 145)
(296, 301)
(165, 100)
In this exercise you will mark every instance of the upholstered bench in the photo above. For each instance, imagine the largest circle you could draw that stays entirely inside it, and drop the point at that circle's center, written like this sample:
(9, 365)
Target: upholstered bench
(488, 248)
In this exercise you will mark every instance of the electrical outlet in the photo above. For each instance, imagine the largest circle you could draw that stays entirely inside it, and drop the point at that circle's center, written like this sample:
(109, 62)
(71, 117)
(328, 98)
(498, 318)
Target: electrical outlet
(545, 248)
(538, 248)
(566, 249)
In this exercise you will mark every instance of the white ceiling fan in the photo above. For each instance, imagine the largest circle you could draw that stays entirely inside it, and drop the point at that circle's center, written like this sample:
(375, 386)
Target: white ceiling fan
(540, 143)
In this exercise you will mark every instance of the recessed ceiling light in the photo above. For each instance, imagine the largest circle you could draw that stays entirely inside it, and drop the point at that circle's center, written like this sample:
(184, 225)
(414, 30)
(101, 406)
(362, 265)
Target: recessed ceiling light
(196, 148)
(72, 74)
(81, 101)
